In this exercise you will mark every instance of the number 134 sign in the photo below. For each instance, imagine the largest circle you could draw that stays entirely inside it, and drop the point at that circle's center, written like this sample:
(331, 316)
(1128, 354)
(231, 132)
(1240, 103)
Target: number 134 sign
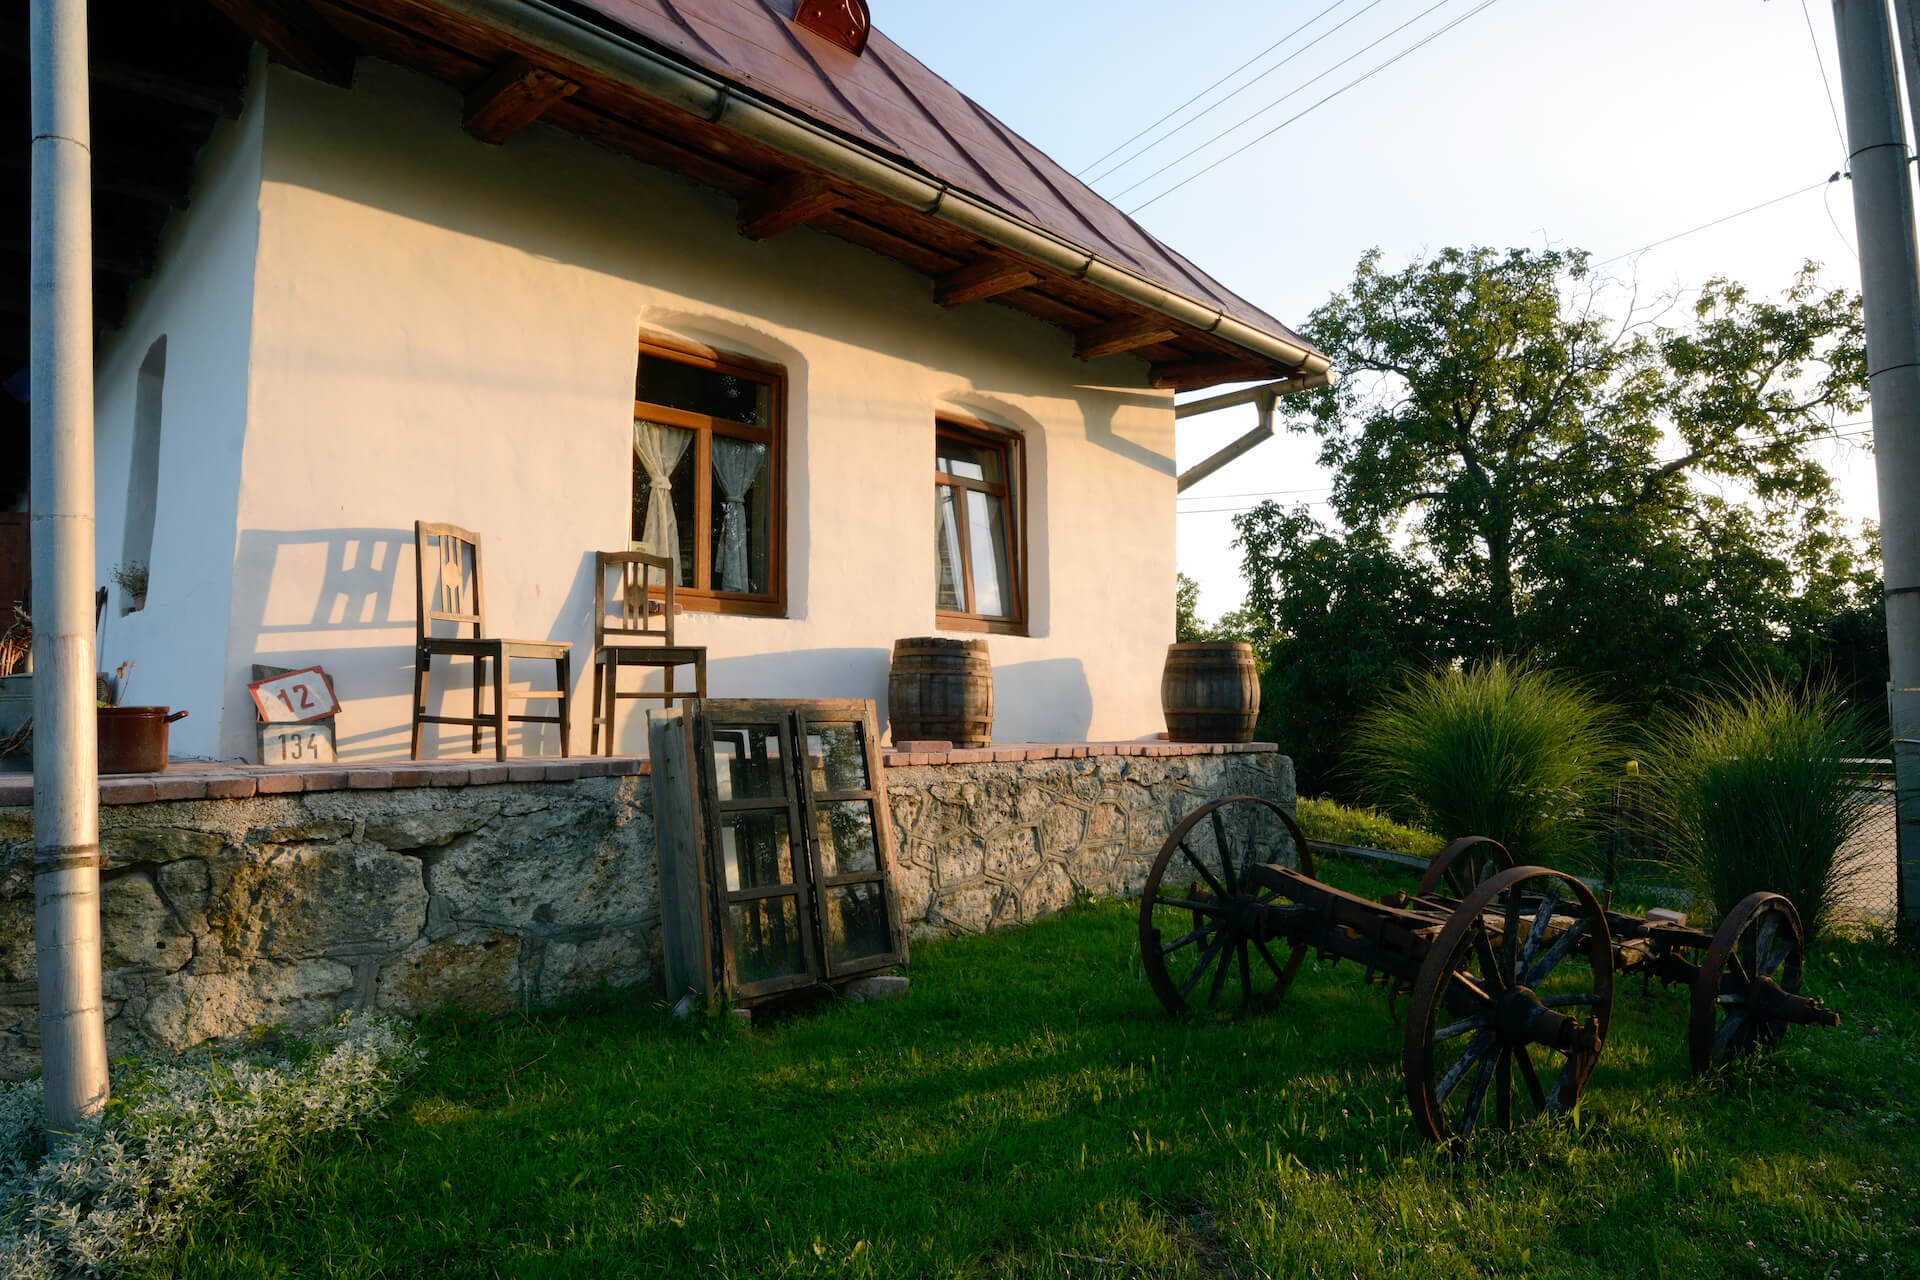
(298, 695)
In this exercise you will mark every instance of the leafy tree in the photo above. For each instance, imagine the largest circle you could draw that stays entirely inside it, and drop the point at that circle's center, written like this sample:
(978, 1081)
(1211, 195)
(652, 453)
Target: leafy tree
(1526, 462)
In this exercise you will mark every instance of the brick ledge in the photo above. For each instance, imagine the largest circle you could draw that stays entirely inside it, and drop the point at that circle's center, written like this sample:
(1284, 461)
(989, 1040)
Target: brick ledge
(239, 782)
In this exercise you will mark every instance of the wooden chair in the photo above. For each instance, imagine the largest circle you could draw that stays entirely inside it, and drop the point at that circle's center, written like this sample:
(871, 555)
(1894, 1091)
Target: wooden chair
(636, 630)
(458, 599)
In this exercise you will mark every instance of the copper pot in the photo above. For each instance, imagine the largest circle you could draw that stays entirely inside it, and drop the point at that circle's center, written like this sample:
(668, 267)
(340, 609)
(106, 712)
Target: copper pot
(134, 739)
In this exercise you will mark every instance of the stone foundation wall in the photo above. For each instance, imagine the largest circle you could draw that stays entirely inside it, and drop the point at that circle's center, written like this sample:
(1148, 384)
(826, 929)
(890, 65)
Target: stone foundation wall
(984, 846)
(286, 905)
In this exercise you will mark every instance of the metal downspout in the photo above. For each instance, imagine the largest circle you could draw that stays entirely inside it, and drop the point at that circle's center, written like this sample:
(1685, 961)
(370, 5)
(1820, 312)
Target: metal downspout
(66, 796)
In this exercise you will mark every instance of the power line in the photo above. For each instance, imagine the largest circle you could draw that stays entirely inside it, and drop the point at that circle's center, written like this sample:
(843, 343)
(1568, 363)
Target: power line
(1418, 44)
(1244, 120)
(1256, 493)
(1821, 62)
(1755, 208)
(1212, 107)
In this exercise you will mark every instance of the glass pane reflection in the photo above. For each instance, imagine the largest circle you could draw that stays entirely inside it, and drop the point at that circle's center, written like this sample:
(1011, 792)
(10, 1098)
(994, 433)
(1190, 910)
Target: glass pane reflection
(766, 939)
(856, 923)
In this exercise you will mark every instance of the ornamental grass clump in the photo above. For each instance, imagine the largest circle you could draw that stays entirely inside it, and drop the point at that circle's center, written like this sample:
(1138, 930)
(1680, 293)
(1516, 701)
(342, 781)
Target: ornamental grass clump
(177, 1137)
(1760, 788)
(1501, 749)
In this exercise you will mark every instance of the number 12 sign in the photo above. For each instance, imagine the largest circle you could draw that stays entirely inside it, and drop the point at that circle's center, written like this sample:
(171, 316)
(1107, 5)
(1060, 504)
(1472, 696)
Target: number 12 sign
(306, 694)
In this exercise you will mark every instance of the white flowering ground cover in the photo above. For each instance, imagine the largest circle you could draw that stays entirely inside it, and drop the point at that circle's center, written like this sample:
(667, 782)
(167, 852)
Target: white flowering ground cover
(178, 1138)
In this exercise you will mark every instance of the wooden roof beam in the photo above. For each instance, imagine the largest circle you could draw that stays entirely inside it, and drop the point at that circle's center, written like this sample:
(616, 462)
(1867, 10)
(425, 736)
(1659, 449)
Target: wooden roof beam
(513, 97)
(1128, 333)
(294, 32)
(1185, 375)
(982, 278)
(788, 201)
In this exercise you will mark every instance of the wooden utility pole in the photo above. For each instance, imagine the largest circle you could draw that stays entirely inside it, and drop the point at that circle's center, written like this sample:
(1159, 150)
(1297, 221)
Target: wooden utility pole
(1890, 281)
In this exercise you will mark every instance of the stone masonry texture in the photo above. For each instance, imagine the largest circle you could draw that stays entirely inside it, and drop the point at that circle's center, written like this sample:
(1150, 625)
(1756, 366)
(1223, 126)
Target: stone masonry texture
(220, 916)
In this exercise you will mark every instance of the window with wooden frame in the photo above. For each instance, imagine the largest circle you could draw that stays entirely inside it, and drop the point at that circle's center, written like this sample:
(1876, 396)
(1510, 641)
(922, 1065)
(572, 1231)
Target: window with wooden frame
(709, 476)
(979, 529)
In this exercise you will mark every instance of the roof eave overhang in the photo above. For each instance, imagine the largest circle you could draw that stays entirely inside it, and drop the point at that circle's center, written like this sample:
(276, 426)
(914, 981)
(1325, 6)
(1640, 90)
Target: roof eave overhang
(570, 38)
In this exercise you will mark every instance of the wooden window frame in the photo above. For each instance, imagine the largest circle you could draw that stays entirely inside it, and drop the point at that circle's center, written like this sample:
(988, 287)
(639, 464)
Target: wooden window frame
(1013, 507)
(700, 596)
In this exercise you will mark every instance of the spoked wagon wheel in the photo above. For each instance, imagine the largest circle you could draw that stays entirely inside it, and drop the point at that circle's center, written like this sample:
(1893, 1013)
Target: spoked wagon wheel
(1464, 866)
(1511, 1005)
(1754, 958)
(1198, 938)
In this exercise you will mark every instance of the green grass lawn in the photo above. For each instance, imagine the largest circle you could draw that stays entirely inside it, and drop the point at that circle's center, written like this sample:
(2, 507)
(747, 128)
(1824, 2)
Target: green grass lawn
(1028, 1110)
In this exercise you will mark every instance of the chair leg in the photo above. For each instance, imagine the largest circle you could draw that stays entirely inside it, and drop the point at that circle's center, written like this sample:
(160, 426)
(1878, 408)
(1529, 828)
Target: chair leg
(612, 706)
(499, 707)
(599, 678)
(700, 676)
(421, 662)
(479, 669)
(564, 666)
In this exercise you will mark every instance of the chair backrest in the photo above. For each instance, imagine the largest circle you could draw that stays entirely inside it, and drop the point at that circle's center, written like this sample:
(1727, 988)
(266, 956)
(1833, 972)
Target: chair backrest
(452, 593)
(640, 605)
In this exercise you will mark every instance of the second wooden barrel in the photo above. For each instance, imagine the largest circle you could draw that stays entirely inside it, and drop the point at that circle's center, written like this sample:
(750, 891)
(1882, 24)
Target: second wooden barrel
(1210, 692)
(941, 689)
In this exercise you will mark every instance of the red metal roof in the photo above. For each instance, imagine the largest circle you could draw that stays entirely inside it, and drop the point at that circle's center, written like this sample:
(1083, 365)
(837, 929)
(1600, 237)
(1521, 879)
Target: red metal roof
(888, 100)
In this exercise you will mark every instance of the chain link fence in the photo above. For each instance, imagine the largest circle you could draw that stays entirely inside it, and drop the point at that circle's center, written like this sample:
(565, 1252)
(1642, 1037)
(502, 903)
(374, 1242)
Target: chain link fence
(1643, 850)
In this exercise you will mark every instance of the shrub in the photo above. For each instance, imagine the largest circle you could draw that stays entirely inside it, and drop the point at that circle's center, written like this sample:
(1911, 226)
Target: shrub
(175, 1138)
(1759, 789)
(1368, 828)
(1500, 749)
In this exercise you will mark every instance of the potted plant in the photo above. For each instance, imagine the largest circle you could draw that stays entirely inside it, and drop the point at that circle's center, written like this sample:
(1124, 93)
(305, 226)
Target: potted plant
(131, 578)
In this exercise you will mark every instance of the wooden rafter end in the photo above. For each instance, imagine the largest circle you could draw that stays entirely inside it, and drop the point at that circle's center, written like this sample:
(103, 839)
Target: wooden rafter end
(789, 201)
(1128, 333)
(513, 97)
(982, 278)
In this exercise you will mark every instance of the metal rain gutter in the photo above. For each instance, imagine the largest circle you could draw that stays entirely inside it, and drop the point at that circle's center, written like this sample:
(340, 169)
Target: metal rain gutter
(569, 38)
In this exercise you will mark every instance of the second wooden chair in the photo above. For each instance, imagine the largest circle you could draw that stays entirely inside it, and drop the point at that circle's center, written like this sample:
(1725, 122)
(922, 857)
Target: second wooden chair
(633, 628)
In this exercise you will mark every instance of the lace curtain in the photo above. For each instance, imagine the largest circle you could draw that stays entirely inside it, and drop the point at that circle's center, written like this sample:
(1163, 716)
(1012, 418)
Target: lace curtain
(736, 465)
(659, 450)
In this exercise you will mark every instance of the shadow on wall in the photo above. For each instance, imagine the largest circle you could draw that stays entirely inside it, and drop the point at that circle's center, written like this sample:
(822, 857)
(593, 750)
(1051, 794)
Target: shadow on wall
(1050, 692)
(359, 625)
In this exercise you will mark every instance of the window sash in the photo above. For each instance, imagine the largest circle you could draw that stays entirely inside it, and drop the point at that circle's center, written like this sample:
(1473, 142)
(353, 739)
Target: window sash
(1011, 527)
(703, 594)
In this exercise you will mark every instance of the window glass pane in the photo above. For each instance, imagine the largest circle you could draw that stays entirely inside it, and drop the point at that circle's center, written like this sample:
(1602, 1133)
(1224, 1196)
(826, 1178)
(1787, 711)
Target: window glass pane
(747, 763)
(668, 531)
(836, 758)
(740, 526)
(987, 539)
(683, 505)
(697, 390)
(766, 939)
(969, 461)
(856, 922)
(844, 829)
(947, 586)
(754, 849)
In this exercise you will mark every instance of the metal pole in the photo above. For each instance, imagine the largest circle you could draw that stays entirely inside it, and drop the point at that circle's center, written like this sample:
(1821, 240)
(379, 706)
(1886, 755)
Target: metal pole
(66, 798)
(1890, 281)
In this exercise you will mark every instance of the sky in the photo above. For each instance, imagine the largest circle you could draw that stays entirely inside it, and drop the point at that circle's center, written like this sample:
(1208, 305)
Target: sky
(1563, 123)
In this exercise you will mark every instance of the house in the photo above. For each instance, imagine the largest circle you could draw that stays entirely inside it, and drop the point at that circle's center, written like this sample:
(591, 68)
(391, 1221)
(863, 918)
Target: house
(737, 280)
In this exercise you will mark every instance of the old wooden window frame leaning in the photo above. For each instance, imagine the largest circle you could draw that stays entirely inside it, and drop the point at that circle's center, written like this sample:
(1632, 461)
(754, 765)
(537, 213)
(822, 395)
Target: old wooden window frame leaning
(1013, 513)
(700, 596)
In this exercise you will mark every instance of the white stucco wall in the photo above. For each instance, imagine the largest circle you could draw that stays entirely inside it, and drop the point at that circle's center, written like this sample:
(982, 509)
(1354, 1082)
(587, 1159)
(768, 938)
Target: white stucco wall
(446, 330)
(200, 299)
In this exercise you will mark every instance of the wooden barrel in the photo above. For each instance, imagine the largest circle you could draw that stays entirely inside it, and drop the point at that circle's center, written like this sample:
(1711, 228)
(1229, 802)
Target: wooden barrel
(1210, 692)
(941, 689)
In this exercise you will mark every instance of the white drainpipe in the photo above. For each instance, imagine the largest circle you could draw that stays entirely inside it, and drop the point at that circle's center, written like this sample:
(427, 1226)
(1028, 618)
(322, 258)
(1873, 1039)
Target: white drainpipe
(66, 794)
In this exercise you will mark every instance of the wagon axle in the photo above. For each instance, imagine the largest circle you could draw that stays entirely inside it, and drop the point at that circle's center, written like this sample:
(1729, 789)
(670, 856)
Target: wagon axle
(1509, 969)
